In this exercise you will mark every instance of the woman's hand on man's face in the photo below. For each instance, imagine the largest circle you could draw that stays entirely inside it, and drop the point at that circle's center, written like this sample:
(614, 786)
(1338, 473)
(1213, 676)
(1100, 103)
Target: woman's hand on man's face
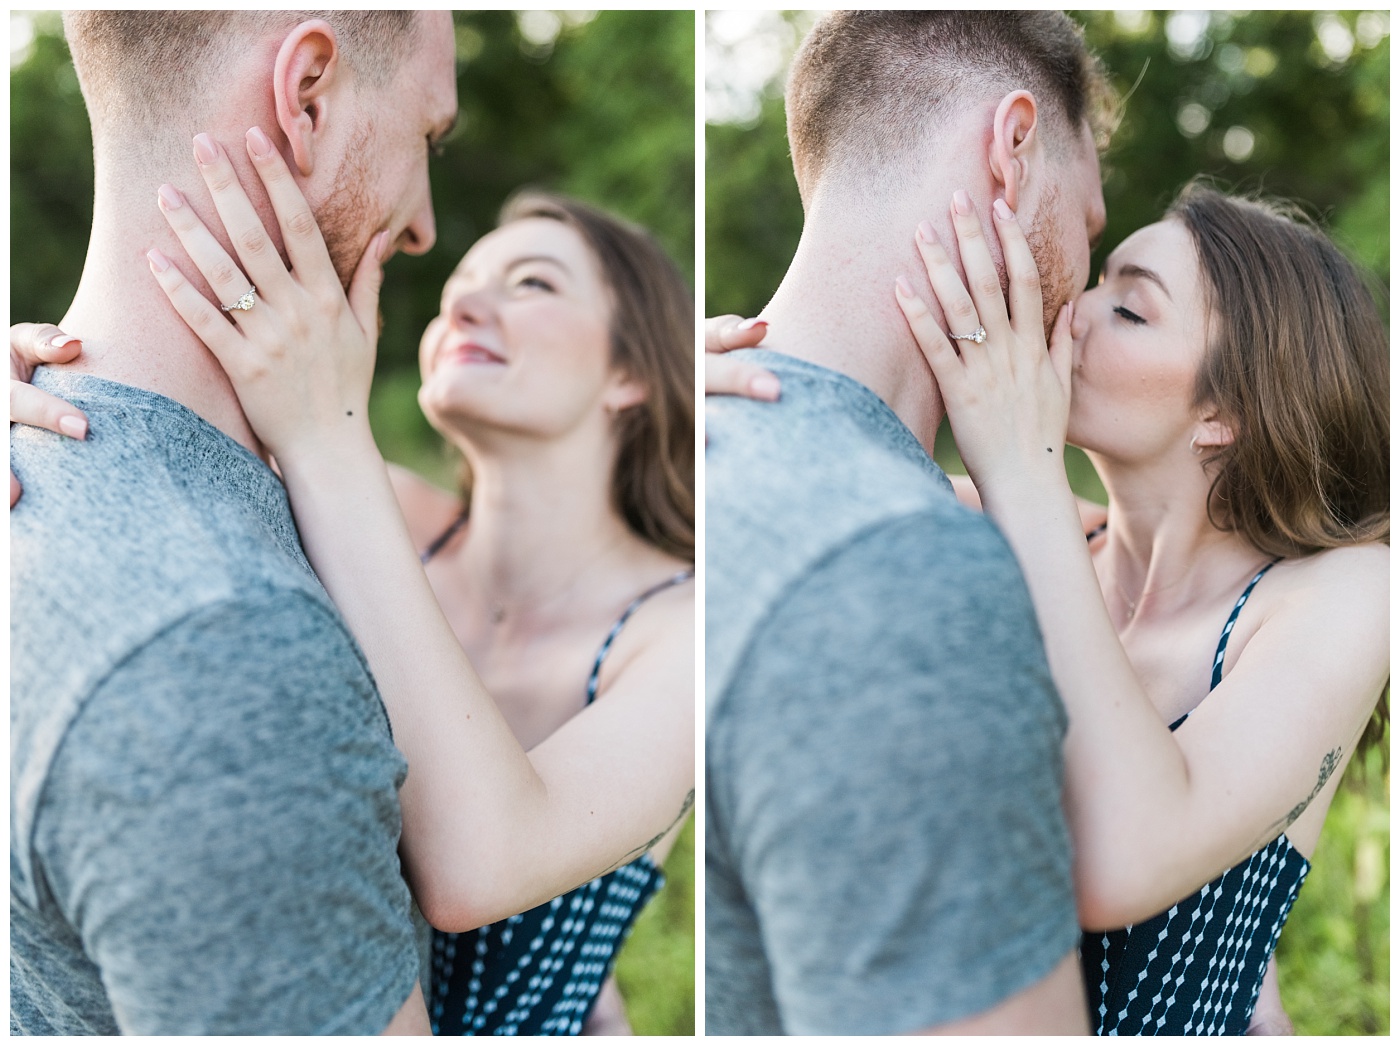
(301, 355)
(1006, 392)
(32, 345)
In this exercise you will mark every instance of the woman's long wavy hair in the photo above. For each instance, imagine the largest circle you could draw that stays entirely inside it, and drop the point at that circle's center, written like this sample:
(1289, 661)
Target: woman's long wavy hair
(1298, 364)
(653, 342)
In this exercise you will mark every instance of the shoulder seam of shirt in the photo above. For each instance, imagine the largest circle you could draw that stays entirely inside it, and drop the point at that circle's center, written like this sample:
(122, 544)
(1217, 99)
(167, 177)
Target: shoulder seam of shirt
(857, 537)
(264, 595)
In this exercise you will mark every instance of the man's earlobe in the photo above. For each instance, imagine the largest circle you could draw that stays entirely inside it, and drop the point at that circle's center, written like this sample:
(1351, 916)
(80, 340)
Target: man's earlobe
(304, 74)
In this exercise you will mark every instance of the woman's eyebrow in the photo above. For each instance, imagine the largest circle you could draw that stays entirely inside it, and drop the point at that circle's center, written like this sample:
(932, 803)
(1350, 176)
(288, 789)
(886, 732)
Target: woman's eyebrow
(463, 270)
(1141, 272)
(528, 258)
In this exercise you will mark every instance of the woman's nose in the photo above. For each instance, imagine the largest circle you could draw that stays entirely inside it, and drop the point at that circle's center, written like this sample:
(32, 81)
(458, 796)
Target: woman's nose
(470, 308)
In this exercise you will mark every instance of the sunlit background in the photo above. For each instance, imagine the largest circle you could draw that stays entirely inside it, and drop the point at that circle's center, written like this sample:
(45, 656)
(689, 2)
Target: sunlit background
(1292, 103)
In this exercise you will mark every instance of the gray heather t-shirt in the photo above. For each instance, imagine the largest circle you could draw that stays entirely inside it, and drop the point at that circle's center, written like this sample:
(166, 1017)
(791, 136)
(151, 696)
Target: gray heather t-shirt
(885, 848)
(203, 790)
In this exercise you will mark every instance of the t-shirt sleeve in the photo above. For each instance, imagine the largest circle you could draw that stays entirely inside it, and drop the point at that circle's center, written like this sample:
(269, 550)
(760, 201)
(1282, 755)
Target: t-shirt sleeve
(891, 785)
(221, 826)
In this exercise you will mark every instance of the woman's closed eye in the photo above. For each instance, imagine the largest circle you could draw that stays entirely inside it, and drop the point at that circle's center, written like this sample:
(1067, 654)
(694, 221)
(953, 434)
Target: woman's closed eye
(535, 283)
(1128, 315)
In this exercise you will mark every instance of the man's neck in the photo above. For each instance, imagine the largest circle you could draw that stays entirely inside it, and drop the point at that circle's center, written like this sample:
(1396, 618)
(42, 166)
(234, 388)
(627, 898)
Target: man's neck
(836, 308)
(129, 330)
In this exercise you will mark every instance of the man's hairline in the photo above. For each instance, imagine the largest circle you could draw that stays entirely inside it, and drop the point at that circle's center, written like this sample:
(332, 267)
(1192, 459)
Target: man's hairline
(1061, 146)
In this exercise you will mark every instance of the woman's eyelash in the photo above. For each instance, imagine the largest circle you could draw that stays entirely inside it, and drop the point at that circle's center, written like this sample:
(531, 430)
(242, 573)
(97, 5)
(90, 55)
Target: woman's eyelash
(1131, 317)
(535, 281)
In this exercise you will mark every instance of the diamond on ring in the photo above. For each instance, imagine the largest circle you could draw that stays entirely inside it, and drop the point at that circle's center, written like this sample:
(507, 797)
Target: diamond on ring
(977, 337)
(244, 303)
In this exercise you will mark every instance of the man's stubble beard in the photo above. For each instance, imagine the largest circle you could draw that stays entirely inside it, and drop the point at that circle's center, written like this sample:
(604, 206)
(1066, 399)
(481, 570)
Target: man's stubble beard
(342, 216)
(1056, 281)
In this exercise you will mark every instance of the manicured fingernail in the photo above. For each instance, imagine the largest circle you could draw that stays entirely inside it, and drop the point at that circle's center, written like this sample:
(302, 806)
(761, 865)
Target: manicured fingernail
(72, 426)
(259, 144)
(381, 242)
(170, 196)
(205, 151)
(962, 203)
(159, 262)
(765, 386)
(748, 325)
(902, 285)
(1070, 306)
(60, 340)
(926, 232)
(1003, 211)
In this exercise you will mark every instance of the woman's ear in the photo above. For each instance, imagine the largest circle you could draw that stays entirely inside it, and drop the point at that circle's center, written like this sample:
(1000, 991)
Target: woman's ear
(622, 393)
(1014, 145)
(306, 69)
(1212, 431)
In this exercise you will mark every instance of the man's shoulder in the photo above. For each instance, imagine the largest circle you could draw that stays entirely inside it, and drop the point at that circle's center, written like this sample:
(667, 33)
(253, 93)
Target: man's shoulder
(126, 545)
(154, 515)
(828, 474)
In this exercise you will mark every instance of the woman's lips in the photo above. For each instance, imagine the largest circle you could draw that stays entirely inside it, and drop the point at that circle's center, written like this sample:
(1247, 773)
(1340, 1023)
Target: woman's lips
(473, 352)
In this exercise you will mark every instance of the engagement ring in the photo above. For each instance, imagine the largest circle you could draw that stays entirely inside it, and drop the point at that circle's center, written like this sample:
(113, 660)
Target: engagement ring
(244, 303)
(977, 337)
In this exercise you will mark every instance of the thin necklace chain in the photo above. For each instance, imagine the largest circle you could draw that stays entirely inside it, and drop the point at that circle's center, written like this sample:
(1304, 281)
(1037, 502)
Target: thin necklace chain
(497, 609)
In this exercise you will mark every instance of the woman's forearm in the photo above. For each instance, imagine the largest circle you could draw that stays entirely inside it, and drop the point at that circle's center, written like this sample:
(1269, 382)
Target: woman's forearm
(486, 832)
(1127, 782)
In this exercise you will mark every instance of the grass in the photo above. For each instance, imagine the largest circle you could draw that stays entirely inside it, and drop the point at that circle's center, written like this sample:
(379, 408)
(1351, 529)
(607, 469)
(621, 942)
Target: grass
(656, 970)
(1334, 955)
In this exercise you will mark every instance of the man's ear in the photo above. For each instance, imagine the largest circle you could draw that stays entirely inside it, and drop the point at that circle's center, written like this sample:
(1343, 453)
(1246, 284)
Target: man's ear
(306, 69)
(1014, 144)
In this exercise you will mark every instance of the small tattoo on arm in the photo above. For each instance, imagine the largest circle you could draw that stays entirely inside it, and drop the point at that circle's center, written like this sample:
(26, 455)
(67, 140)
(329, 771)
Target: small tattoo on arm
(685, 809)
(1330, 762)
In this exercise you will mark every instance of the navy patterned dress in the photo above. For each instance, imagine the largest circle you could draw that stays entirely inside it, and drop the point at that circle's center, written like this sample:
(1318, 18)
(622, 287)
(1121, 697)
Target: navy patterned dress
(1196, 969)
(540, 972)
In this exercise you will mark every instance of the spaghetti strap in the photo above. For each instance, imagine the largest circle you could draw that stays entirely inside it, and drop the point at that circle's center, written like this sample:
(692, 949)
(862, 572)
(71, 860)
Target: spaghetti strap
(1217, 669)
(442, 539)
(591, 691)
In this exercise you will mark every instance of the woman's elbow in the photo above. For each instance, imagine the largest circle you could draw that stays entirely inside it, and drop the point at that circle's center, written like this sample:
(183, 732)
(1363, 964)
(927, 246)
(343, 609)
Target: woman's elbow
(1108, 899)
(451, 901)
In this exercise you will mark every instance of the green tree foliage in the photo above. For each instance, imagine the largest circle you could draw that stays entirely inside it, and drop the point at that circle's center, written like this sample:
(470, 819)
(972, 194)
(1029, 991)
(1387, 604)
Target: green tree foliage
(1290, 103)
(597, 106)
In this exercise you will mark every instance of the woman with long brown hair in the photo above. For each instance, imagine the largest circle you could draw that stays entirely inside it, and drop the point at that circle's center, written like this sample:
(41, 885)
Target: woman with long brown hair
(532, 636)
(1230, 378)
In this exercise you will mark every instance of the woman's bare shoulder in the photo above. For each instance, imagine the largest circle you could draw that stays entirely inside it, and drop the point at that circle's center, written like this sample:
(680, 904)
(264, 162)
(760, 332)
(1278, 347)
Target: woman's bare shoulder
(660, 632)
(428, 510)
(1359, 573)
